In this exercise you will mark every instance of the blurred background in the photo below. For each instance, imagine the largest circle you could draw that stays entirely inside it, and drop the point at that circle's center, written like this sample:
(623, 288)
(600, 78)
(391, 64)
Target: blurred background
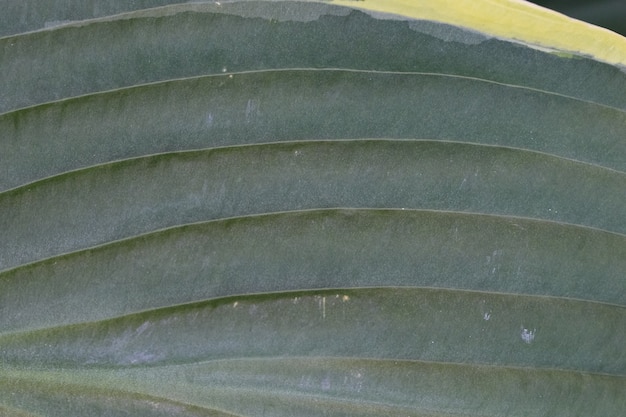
(610, 14)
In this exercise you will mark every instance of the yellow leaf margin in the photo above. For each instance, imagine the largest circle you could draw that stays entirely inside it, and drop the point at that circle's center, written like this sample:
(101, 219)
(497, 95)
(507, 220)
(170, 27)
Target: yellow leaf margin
(510, 19)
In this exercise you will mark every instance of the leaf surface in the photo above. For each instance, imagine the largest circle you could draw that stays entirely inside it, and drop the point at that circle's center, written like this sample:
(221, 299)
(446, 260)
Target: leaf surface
(273, 106)
(309, 208)
(200, 39)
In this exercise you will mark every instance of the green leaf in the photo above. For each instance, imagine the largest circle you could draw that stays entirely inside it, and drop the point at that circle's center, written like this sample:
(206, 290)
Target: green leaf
(317, 249)
(197, 39)
(273, 106)
(178, 188)
(310, 208)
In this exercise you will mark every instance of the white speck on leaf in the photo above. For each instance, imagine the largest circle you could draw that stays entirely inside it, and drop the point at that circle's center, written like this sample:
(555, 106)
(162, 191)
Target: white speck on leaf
(142, 328)
(252, 110)
(141, 357)
(528, 335)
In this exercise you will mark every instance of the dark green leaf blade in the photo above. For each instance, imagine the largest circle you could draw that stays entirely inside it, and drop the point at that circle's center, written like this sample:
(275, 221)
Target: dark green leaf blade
(199, 39)
(171, 190)
(385, 323)
(315, 386)
(174, 189)
(36, 398)
(314, 250)
(297, 105)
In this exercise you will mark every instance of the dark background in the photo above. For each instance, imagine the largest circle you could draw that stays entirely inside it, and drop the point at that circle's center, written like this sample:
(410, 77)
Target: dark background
(610, 14)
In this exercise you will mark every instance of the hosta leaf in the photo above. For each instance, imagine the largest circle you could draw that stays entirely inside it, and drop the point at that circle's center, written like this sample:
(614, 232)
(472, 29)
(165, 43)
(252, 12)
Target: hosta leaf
(420, 324)
(285, 208)
(180, 188)
(287, 105)
(487, 17)
(199, 39)
(351, 387)
(317, 249)
(43, 399)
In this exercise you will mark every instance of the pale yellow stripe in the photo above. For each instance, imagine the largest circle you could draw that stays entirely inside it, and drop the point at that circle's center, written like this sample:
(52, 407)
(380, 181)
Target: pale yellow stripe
(510, 19)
